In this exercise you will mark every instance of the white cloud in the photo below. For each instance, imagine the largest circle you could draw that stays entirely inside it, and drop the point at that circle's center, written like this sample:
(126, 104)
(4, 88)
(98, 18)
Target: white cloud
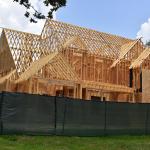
(12, 16)
(144, 31)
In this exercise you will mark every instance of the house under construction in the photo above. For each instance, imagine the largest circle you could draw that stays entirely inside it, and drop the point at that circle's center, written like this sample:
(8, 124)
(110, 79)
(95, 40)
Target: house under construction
(71, 61)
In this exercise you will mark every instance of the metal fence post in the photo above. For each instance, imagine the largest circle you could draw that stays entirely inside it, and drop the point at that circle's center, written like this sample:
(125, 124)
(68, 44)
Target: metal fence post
(64, 118)
(55, 124)
(146, 121)
(1, 107)
(105, 118)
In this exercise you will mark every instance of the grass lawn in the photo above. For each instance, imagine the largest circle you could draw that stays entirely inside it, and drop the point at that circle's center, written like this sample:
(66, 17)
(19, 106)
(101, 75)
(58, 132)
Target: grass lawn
(74, 143)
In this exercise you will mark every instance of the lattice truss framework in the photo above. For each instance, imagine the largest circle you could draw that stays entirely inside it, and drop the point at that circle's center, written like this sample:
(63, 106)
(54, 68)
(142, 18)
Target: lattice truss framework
(94, 56)
(52, 67)
(96, 42)
(25, 48)
(105, 53)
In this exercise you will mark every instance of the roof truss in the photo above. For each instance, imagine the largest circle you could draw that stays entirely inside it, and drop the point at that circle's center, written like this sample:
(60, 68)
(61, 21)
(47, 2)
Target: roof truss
(75, 41)
(137, 62)
(35, 67)
(24, 47)
(94, 40)
(6, 59)
(124, 50)
(54, 65)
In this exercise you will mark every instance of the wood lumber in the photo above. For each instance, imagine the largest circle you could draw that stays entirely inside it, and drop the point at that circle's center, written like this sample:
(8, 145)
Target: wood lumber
(8, 76)
(143, 56)
(124, 50)
(73, 60)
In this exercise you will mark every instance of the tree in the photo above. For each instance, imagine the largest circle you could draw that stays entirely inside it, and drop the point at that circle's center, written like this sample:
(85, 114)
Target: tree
(147, 43)
(55, 5)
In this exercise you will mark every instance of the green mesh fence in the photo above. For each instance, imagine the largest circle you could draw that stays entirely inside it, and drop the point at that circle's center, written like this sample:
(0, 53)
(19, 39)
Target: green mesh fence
(22, 113)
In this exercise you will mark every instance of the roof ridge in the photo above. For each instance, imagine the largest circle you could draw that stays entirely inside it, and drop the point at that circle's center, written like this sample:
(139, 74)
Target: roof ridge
(92, 30)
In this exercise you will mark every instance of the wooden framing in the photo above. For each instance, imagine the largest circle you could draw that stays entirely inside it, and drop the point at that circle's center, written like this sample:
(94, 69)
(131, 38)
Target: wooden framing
(72, 61)
(142, 57)
(125, 49)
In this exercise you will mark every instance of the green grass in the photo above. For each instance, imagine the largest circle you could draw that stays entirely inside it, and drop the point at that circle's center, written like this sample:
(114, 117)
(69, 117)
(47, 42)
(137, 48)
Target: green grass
(74, 143)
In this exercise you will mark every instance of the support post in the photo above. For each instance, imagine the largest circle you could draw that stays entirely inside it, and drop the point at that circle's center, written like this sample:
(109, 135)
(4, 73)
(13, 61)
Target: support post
(74, 92)
(1, 107)
(133, 97)
(80, 91)
(30, 86)
(37, 88)
(7, 85)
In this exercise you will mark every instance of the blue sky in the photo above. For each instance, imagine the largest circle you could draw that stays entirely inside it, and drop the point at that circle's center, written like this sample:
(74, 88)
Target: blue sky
(128, 18)
(121, 17)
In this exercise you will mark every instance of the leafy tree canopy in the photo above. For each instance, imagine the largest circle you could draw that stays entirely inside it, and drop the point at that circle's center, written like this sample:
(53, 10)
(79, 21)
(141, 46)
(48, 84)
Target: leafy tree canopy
(55, 5)
(147, 43)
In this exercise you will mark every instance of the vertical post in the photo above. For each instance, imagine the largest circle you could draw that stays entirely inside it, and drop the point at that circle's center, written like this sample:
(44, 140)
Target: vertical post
(125, 73)
(81, 72)
(146, 120)
(37, 88)
(64, 118)
(117, 74)
(55, 124)
(30, 86)
(141, 78)
(133, 97)
(102, 95)
(74, 92)
(94, 67)
(102, 71)
(7, 85)
(80, 91)
(54, 90)
(105, 119)
(1, 107)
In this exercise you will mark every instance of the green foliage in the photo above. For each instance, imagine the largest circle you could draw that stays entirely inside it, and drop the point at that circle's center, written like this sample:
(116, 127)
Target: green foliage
(147, 43)
(55, 5)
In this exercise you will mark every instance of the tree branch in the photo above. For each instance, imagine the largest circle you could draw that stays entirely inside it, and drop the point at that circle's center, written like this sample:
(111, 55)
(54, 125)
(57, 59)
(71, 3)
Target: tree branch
(55, 4)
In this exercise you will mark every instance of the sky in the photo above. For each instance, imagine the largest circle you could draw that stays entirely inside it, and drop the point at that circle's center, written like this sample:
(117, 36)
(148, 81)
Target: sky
(127, 18)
